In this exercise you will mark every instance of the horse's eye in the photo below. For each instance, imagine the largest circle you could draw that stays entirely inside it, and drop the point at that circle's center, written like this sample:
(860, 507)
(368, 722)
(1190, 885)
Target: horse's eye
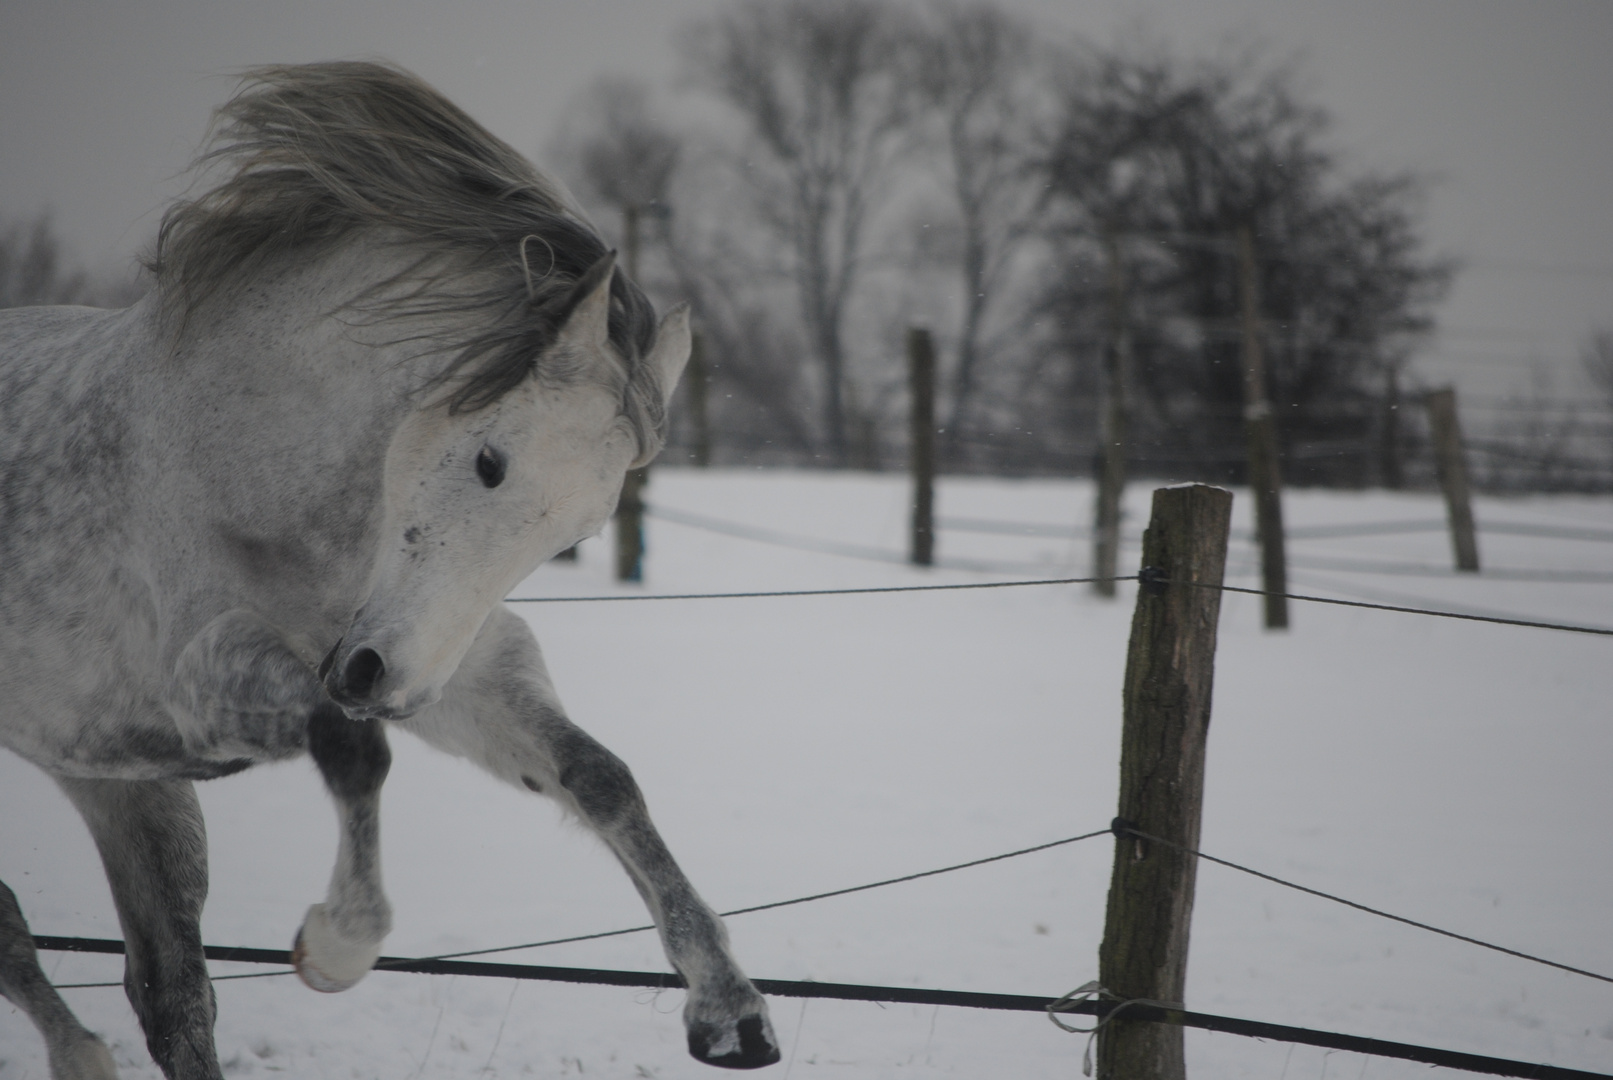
(490, 467)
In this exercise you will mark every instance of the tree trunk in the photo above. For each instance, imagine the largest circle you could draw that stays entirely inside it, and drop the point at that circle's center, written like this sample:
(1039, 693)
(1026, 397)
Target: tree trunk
(1111, 478)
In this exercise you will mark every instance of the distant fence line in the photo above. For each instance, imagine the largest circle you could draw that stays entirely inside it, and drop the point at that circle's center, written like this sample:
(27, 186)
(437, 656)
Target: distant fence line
(1548, 460)
(769, 536)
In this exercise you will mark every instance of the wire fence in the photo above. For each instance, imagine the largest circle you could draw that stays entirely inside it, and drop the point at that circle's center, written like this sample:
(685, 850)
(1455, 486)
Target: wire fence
(1343, 530)
(275, 956)
(771, 536)
(455, 963)
(1333, 600)
(1117, 828)
(970, 999)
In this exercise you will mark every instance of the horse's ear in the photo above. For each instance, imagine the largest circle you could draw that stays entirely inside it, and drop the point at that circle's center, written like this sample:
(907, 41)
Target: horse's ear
(585, 316)
(670, 352)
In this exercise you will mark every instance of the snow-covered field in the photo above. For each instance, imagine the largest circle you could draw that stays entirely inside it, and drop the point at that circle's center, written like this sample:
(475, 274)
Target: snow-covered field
(1453, 772)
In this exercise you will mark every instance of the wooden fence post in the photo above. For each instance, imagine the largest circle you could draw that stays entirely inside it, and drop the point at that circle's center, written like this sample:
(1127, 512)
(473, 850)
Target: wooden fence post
(1452, 466)
(1390, 469)
(1112, 430)
(1170, 666)
(630, 526)
(697, 378)
(630, 506)
(1260, 426)
(921, 382)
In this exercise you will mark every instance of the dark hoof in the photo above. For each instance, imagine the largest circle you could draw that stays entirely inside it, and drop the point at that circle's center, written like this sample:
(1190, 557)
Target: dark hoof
(747, 1045)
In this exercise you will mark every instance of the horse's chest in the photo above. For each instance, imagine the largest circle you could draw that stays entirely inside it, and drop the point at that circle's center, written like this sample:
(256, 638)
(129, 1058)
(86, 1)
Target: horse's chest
(134, 738)
(84, 700)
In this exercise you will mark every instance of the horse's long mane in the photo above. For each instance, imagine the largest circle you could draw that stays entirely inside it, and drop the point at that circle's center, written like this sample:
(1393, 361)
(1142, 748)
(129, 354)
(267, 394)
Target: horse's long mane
(315, 154)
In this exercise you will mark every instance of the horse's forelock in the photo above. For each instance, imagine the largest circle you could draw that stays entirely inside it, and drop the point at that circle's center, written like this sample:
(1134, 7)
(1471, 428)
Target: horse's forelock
(497, 359)
(320, 154)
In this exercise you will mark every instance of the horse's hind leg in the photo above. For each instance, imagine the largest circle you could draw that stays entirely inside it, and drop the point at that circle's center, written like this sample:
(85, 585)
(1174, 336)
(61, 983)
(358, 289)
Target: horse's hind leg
(340, 939)
(154, 847)
(75, 1054)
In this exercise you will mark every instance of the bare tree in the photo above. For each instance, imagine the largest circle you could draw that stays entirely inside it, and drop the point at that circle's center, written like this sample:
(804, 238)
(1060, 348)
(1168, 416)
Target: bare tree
(668, 191)
(758, 403)
(32, 271)
(1596, 355)
(624, 158)
(1207, 148)
(825, 111)
(977, 77)
(620, 155)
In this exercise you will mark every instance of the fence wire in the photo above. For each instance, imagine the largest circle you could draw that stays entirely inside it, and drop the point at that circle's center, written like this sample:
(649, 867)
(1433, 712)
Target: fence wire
(1156, 579)
(1431, 612)
(1122, 828)
(1118, 828)
(453, 964)
(74, 944)
(758, 594)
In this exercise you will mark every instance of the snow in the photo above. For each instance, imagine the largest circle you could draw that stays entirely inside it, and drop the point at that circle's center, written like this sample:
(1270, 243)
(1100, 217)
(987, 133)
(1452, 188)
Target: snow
(1452, 772)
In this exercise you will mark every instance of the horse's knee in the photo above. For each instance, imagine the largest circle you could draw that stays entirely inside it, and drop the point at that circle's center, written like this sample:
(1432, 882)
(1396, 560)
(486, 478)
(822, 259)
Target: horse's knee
(352, 755)
(599, 781)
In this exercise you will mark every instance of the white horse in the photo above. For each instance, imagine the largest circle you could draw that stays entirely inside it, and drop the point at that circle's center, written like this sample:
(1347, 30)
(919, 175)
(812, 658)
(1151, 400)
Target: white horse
(386, 371)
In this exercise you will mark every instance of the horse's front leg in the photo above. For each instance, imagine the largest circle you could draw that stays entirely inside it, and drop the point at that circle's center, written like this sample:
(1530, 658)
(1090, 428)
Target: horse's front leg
(241, 695)
(500, 710)
(340, 939)
(154, 847)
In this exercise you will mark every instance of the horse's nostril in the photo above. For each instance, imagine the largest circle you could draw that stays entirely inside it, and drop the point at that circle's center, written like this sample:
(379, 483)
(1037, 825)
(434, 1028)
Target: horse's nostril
(364, 670)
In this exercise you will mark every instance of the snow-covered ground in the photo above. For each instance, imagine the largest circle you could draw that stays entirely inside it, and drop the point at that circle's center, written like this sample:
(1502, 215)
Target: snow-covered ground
(1453, 772)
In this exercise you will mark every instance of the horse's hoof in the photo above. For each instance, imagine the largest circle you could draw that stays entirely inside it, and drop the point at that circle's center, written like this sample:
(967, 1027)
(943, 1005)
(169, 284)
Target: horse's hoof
(324, 959)
(748, 1043)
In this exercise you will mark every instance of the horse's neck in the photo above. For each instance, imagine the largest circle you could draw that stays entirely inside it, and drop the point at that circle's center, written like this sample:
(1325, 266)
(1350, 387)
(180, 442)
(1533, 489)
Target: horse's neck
(239, 466)
(276, 426)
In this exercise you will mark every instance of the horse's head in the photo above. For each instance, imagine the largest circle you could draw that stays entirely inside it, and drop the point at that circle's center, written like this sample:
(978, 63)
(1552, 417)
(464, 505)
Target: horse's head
(476, 500)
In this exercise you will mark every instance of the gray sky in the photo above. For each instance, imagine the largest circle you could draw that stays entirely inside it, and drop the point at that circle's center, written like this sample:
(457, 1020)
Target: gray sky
(1508, 105)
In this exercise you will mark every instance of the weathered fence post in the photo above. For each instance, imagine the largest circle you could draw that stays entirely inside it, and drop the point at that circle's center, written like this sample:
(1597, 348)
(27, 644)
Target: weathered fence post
(921, 383)
(1170, 666)
(1390, 469)
(698, 380)
(630, 507)
(630, 526)
(1112, 430)
(1265, 475)
(1452, 466)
